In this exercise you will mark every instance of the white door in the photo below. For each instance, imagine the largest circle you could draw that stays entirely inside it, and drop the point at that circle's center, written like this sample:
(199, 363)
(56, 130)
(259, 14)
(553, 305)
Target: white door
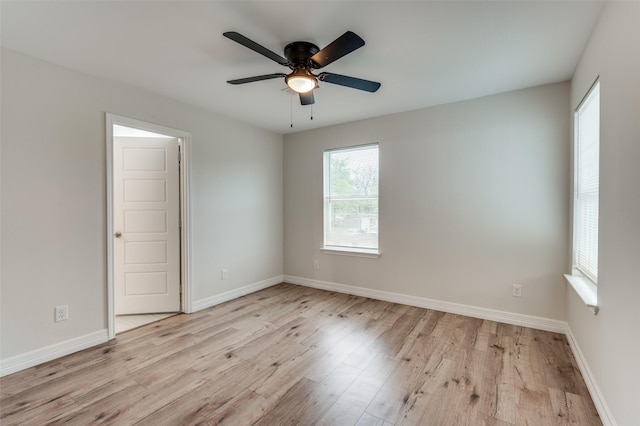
(146, 221)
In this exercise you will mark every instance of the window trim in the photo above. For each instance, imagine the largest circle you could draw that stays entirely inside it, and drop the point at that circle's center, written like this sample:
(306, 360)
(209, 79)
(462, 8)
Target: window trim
(351, 251)
(343, 250)
(583, 285)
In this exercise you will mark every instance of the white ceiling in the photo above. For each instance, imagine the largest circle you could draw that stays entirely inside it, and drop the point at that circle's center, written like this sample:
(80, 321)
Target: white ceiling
(424, 53)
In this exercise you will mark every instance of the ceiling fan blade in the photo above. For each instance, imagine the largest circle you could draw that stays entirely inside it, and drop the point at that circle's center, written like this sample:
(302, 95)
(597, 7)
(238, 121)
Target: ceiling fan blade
(354, 83)
(256, 78)
(343, 45)
(307, 98)
(239, 38)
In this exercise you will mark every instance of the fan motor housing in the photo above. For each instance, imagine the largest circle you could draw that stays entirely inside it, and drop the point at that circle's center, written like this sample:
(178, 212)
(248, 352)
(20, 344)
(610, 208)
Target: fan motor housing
(299, 54)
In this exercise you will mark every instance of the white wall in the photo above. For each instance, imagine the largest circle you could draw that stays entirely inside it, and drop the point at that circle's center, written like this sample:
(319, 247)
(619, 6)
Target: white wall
(474, 197)
(610, 341)
(54, 199)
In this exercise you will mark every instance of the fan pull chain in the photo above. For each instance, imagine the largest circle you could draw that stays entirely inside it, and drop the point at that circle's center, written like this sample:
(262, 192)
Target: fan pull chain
(291, 106)
(311, 112)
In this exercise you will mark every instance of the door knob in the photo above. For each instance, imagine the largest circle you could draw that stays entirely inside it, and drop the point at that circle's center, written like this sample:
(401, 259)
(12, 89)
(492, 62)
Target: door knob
(118, 234)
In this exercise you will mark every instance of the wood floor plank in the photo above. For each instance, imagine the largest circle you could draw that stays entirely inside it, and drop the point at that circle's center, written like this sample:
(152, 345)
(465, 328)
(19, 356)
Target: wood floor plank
(498, 379)
(296, 355)
(351, 406)
(485, 332)
(428, 404)
(308, 400)
(369, 420)
(491, 421)
(245, 409)
(570, 409)
(155, 396)
(561, 369)
(232, 382)
(467, 391)
(16, 383)
(184, 409)
(352, 403)
(528, 362)
(287, 375)
(396, 392)
(379, 321)
(45, 411)
(52, 390)
(107, 410)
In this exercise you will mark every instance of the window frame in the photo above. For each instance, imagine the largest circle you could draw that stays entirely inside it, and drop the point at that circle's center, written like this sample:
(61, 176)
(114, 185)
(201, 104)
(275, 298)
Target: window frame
(582, 283)
(326, 203)
(577, 269)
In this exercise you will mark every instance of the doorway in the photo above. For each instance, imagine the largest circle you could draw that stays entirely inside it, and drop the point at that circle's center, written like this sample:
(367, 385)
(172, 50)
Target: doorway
(147, 235)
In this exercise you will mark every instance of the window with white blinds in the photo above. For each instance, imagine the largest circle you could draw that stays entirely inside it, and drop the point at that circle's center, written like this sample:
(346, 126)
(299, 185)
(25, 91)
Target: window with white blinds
(587, 184)
(351, 198)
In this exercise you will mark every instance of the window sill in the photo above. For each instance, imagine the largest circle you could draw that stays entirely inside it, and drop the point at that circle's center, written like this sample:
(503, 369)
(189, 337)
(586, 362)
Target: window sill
(348, 251)
(586, 290)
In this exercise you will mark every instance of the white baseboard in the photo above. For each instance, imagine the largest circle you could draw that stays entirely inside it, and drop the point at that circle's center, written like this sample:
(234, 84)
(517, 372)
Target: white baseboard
(596, 395)
(48, 353)
(438, 305)
(207, 302)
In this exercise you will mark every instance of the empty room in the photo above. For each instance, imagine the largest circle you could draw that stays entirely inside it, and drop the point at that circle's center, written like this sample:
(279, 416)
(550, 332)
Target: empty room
(320, 212)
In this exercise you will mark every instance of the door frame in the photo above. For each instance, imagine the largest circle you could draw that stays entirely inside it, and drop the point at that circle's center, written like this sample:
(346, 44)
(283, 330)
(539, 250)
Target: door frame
(185, 232)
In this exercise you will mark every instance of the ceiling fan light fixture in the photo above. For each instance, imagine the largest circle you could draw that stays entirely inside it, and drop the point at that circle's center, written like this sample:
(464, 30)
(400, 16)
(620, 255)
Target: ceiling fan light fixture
(302, 57)
(301, 81)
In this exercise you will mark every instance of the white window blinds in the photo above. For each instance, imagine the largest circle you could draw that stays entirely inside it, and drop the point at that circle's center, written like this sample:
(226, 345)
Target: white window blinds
(586, 183)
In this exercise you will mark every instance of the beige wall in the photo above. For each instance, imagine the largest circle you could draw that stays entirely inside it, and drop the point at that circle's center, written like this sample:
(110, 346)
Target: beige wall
(54, 199)
(474, 197)
(610, 341)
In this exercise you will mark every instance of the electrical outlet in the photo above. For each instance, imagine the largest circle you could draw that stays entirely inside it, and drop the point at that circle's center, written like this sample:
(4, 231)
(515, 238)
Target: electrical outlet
(224, 275)
(516, 290)
(316, 264)
(61, 313)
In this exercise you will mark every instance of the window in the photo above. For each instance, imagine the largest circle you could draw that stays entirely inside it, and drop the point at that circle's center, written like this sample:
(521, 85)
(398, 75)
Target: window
(351, 199)
(586, 185)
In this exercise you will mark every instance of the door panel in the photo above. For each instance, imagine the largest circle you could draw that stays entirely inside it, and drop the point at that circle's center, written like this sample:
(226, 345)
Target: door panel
(146, 223)
(145, 191)
(149, 159)
(145, 252)
(145, 283)
(141, 221)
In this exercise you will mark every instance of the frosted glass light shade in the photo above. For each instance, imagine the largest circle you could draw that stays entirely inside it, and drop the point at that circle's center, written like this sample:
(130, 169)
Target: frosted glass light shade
(301, 81)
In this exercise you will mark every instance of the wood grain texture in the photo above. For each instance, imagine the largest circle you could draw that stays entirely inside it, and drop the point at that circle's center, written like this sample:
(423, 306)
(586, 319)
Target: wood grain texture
(300, 356)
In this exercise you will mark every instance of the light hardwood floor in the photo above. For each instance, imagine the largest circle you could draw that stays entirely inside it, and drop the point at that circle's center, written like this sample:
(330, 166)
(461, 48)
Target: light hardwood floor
(294, 355)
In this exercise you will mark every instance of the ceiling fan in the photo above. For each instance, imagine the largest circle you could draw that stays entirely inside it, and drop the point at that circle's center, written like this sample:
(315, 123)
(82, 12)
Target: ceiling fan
(301, 58)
